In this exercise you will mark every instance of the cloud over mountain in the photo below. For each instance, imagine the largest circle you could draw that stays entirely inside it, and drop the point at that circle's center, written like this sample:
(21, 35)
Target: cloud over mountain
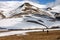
(55, 3)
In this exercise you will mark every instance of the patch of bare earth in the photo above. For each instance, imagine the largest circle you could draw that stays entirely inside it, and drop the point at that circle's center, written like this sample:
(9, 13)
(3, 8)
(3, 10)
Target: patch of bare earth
(52, 35)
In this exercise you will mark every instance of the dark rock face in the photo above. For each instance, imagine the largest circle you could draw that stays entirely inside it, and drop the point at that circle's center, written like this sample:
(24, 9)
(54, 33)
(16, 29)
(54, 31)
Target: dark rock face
(49, 8)
(37, 22)
(1, 15)
(58, 18)
(55, 27)
(2, 28)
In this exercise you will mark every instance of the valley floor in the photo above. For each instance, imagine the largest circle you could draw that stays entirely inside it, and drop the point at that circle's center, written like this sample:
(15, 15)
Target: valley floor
(51, 35)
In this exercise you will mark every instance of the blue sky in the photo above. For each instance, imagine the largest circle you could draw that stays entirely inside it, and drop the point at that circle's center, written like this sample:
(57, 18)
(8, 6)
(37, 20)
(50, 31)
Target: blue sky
(39, 1)
(45, 1)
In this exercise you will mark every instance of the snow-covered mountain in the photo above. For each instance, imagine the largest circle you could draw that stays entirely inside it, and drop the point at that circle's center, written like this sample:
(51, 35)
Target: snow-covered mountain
(34, 15)
(9, 6)
(23, 7)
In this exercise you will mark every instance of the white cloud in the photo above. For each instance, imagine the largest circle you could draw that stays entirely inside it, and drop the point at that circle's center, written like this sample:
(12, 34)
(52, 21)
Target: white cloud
(32, 1)
(55, 3)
